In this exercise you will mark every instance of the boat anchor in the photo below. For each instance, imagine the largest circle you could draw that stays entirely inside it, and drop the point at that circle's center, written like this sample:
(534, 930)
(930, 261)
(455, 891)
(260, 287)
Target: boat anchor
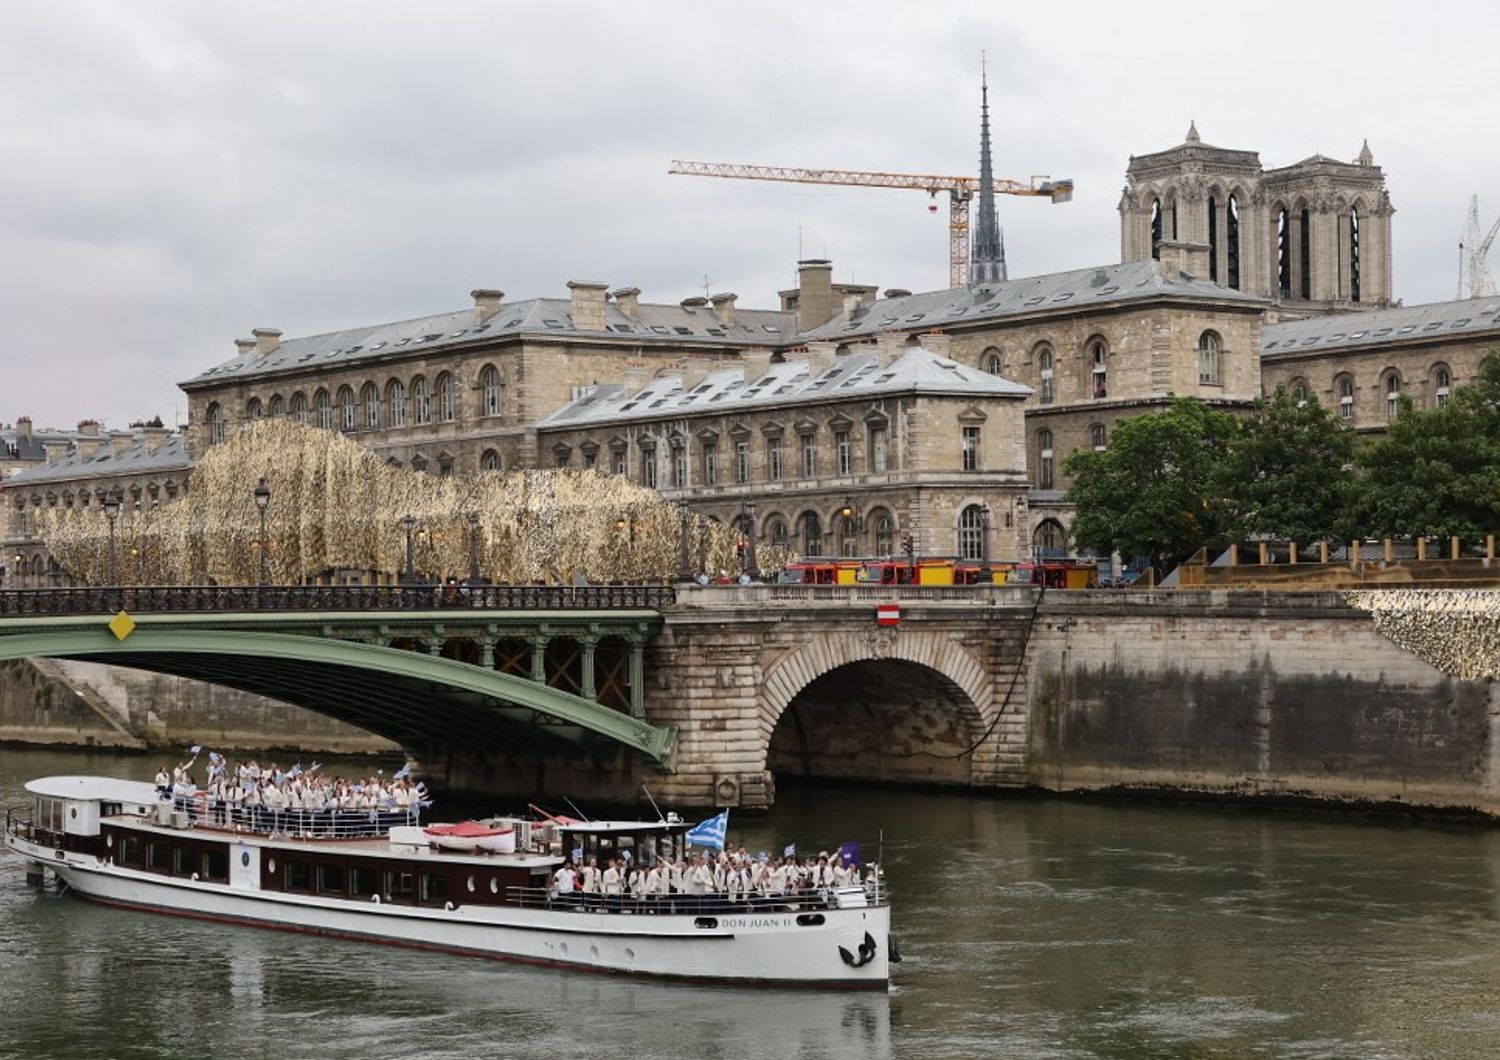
(866, 953)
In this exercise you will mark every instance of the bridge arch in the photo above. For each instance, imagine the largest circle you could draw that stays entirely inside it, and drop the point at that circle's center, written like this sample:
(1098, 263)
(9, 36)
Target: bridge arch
(411, 697)
(890, 705)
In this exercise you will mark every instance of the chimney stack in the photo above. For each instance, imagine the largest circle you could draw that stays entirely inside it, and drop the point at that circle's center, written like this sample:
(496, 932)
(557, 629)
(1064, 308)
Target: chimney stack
(266, 339)
(120, 441)
(155, 437)
(697, 369)
(588, 304)
(628, 301)
(486, 303)
(897, 292)
(245, 346)
(23, 427)
(890, 347)
(724, 306)
(1185, 257)
(757, 362)
(54, 450)
(815, 304)
(820, 356)
(88, 439)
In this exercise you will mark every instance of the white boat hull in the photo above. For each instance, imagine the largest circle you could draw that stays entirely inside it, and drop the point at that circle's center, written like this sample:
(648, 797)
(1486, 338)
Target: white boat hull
(757, 947)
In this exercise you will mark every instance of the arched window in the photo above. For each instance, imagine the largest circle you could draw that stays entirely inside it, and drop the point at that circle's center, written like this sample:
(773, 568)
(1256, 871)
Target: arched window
(1304, 259)
(1343, 386)
(277, 407)
(253, 409)
(1392, 388)
(1156, 228)
(348, 411)
(1442, 385)
(1213, 239)
(1354, 253)
(848, 536)
(990, 361)
(1044, 452)
(778, 534)
(447, 394)
(1299, 390)
(370, 397)
(1098, 437)
(1049, 539)
(885, 533)
(1232, 242)
(1044, 361)
(421, 401)
(972, 528)
(215, 424)
(1098, 355)
(323, 409)
(812, 535)
(395, 400)
(1284, 252)
(299, 407)
(489, 385)
(1208, 357)
(490, 461)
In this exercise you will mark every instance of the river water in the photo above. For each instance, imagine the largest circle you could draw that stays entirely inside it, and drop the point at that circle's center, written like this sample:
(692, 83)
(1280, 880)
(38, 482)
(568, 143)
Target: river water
(1029, 928)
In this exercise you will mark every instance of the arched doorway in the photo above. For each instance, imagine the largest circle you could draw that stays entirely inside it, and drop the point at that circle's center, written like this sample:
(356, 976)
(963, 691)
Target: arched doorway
(890, 720)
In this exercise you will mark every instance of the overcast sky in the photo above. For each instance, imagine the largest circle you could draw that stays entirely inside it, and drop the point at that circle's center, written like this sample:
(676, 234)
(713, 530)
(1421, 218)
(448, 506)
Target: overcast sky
(174, 174)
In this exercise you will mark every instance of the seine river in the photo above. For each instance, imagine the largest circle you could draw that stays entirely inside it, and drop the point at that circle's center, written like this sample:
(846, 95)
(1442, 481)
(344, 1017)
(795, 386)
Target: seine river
(1029, 928)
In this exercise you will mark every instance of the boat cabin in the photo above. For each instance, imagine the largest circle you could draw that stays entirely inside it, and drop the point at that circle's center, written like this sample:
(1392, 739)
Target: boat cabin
(640, 842)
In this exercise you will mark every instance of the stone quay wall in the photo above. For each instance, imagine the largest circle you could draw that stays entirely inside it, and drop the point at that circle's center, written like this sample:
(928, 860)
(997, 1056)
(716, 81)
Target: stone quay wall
(1263, 694)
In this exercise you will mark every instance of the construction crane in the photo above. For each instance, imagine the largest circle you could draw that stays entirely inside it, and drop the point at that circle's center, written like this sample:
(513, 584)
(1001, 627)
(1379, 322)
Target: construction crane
(1474, 279)
(961, 191)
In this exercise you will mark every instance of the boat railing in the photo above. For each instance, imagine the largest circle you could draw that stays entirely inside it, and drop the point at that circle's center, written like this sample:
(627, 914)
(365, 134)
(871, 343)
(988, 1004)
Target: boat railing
(712, 904)
(198, 812)
(18, 821)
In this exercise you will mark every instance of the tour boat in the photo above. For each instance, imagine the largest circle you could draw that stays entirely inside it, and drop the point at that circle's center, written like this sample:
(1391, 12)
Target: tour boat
(382, 878)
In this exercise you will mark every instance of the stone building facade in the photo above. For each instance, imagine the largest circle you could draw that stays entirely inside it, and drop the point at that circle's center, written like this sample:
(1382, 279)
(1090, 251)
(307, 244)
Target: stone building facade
(825, 454)
(1315, 236)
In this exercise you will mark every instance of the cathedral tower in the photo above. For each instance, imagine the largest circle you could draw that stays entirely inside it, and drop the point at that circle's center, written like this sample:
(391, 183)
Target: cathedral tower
(1315, 236)
(987, 258)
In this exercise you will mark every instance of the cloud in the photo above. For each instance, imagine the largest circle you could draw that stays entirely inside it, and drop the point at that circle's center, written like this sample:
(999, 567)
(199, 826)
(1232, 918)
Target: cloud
(177, 173)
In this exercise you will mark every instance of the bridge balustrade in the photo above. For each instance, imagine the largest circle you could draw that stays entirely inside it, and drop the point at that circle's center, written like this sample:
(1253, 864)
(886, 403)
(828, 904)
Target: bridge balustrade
(228, 598)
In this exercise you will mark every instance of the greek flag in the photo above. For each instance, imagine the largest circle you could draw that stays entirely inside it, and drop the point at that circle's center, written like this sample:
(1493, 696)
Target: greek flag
(710, 833)
(402, 773)
(790, 851)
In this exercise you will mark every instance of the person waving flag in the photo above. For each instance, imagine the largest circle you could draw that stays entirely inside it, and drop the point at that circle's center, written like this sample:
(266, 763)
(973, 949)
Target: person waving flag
(710, 833)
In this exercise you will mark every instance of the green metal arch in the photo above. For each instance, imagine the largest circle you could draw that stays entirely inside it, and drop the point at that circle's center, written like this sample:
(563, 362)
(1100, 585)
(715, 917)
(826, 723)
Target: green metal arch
(67, 641)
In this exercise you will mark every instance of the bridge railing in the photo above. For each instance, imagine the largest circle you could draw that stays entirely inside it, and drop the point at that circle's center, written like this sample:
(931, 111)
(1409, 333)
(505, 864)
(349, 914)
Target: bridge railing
(711, 596)
(211, 598)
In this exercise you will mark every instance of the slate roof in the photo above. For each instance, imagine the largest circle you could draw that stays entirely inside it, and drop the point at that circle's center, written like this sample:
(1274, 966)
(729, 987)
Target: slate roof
(854, 376)
(29, 449)
(171, 455)
(1132, 281)
(536, 316)
(1434, 320)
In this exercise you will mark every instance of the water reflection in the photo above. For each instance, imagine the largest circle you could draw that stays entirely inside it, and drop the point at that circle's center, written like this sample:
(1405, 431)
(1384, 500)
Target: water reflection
(1037, 928)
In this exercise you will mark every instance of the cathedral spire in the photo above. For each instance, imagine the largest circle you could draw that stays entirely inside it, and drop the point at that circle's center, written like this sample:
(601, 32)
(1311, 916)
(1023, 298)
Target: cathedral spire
(987, 257)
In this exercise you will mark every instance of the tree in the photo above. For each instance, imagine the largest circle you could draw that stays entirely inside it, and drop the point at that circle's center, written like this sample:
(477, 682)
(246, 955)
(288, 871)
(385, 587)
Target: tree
(1153, 492)
(1437, 471)
(1286, 473)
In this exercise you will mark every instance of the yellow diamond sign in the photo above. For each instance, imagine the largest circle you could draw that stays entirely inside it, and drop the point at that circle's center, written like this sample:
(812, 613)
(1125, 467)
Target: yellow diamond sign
(122, 625)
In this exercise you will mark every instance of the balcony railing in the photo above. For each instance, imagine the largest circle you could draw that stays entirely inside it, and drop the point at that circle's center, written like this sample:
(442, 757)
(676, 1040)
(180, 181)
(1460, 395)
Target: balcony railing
(215, 598)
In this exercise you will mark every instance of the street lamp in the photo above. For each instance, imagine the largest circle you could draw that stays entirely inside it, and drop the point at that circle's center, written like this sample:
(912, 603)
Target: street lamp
(262, 502)
(985, 575)
(408, 523)
(111, 513)
(474, 577)
(684, 564)
(853, 520)
(703, 548)
(751, 566)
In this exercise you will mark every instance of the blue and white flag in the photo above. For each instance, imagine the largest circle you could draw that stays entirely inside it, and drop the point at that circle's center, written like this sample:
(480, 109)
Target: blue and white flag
(402, 773)
(790, 851)
(710, 833)
(193, 750)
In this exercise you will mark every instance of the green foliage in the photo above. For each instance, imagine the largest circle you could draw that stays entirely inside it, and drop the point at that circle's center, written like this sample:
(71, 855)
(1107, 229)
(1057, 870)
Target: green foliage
(1286, 473)
(1152, 492)
(1436, 471)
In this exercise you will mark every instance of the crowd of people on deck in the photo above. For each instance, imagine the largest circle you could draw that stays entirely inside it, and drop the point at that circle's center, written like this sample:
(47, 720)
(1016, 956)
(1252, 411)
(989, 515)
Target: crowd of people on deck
(267, 798)
(732, 876)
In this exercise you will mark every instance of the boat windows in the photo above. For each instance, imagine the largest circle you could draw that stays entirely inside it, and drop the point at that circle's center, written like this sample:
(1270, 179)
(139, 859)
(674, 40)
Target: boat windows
(298, 875)
(363, 881)
(331, 878)
(130, 850)
(184, 861)
(215, 865)
(399, 886)
(471, 884)
(158, 857)
(434, 888)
